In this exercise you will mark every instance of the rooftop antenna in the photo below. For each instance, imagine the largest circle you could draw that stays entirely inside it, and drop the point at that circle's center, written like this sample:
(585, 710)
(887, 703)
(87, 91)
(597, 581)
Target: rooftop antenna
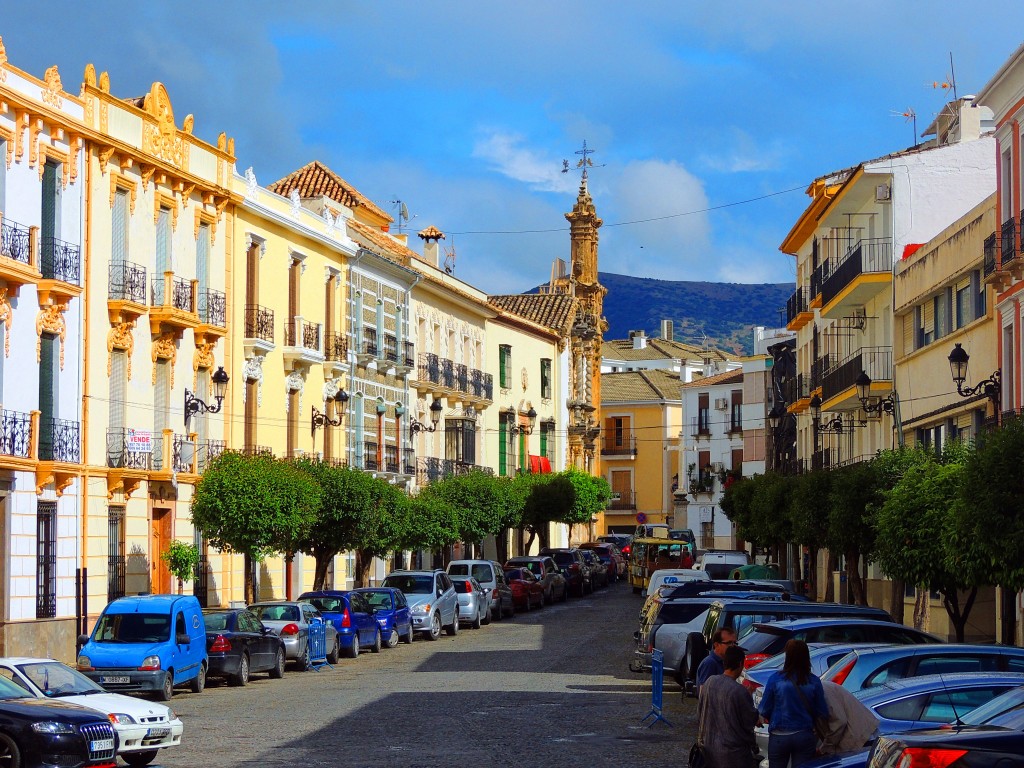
(449, 259)
(909, 115)
(402, 213)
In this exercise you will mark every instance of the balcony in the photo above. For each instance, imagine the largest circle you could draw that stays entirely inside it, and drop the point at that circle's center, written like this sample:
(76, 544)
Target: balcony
(60, 264)
(390, 348)
(131, 449)
(18, 259)
(207, 451)
(797, 388)
(335, 347)
(626, 500)
(798, 311)
(368, 345)
(258, 450)
(817, 278)
(430, 469)
(441, 377)
(259, 330)
(126, 291)
(863, 272)
(303, 342)
(16, 434)
(839, 388)
(700, 426)
(371, 462)
(408, 358)
(391, 463)
(991, 260)
(212, 306)
(173, 304)
(620, 447)
(59, 441)
(408, 461)
(1007, 244)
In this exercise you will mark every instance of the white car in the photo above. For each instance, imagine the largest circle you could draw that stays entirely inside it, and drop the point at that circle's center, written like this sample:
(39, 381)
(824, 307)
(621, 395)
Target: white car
(143, 727)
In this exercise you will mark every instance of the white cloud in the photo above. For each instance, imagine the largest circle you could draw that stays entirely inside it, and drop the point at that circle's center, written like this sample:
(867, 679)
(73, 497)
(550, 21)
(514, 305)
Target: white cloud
(506, 154)
(742, 154)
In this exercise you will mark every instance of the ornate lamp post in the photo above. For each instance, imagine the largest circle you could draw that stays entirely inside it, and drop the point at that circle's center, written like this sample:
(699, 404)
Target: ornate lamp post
(322, 419)
(194, 405)
(516, 428)
(886, 404)
(435, 416)
(991, 387)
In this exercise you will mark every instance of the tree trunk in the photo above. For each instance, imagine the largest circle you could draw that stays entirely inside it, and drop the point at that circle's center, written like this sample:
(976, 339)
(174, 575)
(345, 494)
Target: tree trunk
(181, 587)
(545, 537)
(811, 573)
(323, 563)
(832, 564)
(501, 545)
(920, 608)
(957, 616)
(854, 586)
(362, 568)
(864, 581)
(250, 598)
(896, 592)
(529, 541)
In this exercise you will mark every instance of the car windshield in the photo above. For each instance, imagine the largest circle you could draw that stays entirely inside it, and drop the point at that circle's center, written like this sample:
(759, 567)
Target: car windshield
(11, 690)
(518, 573)
(378, 599)
(276, 612)
(217, 622)
(55, 679)
(326, 603)
(533, 567)
(1006, 711)
(133, 628)
(411, 585)
(563, 558)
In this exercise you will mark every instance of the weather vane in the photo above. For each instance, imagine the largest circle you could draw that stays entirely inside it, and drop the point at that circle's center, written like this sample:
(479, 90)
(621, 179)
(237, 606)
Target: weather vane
(584, 162)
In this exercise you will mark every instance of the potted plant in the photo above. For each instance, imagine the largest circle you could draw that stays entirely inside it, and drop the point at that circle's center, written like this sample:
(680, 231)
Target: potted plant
(181, 559)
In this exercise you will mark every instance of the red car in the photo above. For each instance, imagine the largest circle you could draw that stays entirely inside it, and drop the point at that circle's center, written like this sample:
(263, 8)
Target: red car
(611, 557)
(527, 591)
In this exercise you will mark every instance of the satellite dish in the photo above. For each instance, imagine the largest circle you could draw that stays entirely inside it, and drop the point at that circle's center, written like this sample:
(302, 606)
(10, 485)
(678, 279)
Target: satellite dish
(403, 211)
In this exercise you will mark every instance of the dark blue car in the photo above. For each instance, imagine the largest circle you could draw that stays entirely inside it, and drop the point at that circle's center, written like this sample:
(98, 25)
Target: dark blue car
(392, 613)
(351, 615)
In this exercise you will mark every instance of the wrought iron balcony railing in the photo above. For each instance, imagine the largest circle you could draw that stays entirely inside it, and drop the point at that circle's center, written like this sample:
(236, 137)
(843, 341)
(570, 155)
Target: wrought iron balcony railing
(796, 304)
(1007, 246)
(259, 323)
(626, 500)
(335, 346)
(212, 308)
(408, 461)
(461, 377)
(126, 282)
(300, 333)
(59, 441)
(409, 359)
(797, 388)
(131, 449)
(15, 241)
(173, 291)
(430, 469)
(15, 434)
(390, 348)
(447, 373)
(207, 451)
(817, 278)
(60, 261)
(391, 463)
(369, 341)
(875, 361)
(370, 460)
(624, 447)
(873, 256)
(819, 368)
(990, 254)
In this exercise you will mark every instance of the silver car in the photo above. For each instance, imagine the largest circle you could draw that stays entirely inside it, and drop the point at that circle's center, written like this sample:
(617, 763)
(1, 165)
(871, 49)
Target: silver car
(433, 601)
(474, 601)
(290, 620)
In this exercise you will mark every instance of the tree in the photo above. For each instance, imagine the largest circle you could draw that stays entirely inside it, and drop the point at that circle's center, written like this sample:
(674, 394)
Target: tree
(478, 501)
(344, 495)
(808, 518)
(591, 495)
(737, 504)
(770, 520)
(434, 523)
(383, 526)
(550, 498)
(254, 505)
(850, 528)
(181, 559)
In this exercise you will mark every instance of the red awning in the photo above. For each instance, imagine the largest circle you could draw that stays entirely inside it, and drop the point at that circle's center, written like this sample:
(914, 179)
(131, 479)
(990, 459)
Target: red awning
(540, 465)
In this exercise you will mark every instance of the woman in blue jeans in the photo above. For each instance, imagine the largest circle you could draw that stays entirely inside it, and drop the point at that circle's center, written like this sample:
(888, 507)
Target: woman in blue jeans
(792, 699)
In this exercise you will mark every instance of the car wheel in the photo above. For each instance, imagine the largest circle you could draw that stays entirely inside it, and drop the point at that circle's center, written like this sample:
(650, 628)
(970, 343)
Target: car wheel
(409, 635)
(10, 755)
(332, 657)
(242, 678)
(393, 638)
(352, 652)
(133, 759)
(453, 628)
(165, 692)
(435, 627)
(477, 622)
(303, 661)
(512, 609)
(375, 648)
(487, 616)
(499, 614)
(277, 671)
(199, 681)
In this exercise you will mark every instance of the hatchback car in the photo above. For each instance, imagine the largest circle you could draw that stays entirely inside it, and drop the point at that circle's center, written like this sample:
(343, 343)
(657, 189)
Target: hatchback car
(391, 610)
(598, 570)
(474, 601)
(570, 562)
(823, 656)
(352, 617)
(868, 667)
(143, 727)
(608, 554)
(547, 573)
(491, 576)
(239, 644)
(290, 620)
(432, 599)
(526, 590)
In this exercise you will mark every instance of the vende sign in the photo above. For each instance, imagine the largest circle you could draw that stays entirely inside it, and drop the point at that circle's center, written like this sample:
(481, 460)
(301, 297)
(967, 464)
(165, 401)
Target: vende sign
(138, 441)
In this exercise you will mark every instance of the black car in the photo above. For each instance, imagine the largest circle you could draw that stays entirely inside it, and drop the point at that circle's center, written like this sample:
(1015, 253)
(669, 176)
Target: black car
(598, 570)
(570, 562)
(43, 731)
(238, 644)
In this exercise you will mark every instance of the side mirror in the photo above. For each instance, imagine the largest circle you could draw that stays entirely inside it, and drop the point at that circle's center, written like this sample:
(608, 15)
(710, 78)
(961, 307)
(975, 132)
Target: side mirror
(182, 638)
(83, 639)
(266, 630)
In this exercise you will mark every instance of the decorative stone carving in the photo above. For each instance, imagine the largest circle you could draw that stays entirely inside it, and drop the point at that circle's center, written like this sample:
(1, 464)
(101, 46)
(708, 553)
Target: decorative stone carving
(7, 318)
(188, 124)
(51, 320)
(3, 60)
(328, 217)
(161, 139)
(166, 348)
(252, 187)
(202, 358)
(525, 378)
(331, 388)
(51, 92)
(252, 370)
(121, 336)
(293, 382)
(296, 199)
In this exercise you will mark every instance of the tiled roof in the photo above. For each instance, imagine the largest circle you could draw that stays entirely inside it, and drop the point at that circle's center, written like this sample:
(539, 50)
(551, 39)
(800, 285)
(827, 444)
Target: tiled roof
(550, 310)
(431, 233)
(639, 386)
(658, 349)
(380, 242)
(317, 180)
(727, 377)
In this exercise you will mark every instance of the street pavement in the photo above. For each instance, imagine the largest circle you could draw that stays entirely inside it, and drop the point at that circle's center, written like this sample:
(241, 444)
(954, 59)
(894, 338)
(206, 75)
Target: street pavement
(549, 687)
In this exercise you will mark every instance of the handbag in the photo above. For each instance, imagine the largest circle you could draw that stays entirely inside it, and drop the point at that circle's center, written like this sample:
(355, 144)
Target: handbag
(698, 758)
(819, 724)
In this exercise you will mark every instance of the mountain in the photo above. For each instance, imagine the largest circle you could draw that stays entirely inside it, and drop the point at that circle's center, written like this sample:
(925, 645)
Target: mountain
(723, 311)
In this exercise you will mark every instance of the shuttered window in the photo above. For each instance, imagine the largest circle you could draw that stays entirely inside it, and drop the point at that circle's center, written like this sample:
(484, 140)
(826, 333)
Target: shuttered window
(203, 257)
(117, 386)
(46, 559)
(502, 446)
(927, 315)
(161, 397)
(119, 229)
(545, 378)
(161, 292)
(504, 366)
(251, 403)
(979, 289)
(908, 321)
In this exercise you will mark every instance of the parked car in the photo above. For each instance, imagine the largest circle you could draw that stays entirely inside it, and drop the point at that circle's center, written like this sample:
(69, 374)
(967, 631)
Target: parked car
(391, 610)
(823, 656)
(762, 641)
(63, 733)
(868, 667)
(670, 578)
(963, 747)
(474, 601)
(622, 541)
(147, 643)
(613, 560)
(598, 570)
(239, 644)
(698, 587)
(432, 600)
(570, 562)
(143, 727)
(491, 576)
(352, 617)
(719, 563)
(290, 620)
(526, 590)
(547, 573)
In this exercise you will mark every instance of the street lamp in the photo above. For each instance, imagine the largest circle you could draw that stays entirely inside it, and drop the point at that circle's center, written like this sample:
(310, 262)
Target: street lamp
(435, 416)
(886, 404)
(515, 428)
(322, 419)
(991, 386)
(194, 405)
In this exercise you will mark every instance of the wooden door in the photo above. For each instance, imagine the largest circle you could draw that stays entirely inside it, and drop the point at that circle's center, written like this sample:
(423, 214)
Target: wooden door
(160, 539)
(622, 484)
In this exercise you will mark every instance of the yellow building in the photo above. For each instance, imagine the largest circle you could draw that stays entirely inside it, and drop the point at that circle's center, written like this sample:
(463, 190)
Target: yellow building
(642, 420)
(158, 244)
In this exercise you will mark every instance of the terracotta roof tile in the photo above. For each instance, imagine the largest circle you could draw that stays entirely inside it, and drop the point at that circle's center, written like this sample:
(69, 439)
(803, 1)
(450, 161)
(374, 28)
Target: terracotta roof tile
(658, 349)
(726, 377)
(317, 180)
(380, 242)
(550, 310)
(431, 233)
(640, 386)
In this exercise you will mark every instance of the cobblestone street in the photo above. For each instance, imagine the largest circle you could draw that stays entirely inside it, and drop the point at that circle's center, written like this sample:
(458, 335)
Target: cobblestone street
(547, 687)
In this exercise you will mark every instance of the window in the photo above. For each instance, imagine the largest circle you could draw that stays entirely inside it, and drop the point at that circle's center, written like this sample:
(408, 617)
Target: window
(547, 440)
(545, 379)
(964, 303)
(163, 257)
(293, 423)
(909, 708)
(119, 230)
(49, 380)
(116, 564)
(460, 440)
(704, 414)
(502, 445)
(46, 559)
(618, 435)
(948, 664)
(736, 411)
(504, 366)
(249, 429)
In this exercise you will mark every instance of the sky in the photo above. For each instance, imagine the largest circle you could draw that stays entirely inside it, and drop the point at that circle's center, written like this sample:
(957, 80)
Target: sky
(708, 120)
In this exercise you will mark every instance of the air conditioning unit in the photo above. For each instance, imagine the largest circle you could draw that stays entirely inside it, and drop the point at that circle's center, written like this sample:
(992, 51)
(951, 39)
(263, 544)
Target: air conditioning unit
(882, 193)
(721, 404)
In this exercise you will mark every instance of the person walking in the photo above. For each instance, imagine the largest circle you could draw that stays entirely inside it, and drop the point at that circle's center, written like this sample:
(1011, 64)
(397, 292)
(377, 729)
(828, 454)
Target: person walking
(727, 716)
(850, 724)
(793, 698)
(712, 664)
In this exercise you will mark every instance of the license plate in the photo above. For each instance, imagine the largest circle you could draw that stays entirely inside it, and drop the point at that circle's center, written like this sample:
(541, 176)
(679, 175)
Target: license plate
(115, 679)
(103, 745)
(158, 733)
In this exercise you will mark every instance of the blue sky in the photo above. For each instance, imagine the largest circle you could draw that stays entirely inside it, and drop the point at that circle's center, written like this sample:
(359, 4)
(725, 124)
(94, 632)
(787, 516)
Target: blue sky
(465, 110)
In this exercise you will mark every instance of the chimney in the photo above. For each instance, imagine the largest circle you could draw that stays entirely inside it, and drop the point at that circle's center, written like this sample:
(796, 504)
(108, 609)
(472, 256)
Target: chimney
(639, 339)
(666, 330)
(430, 236)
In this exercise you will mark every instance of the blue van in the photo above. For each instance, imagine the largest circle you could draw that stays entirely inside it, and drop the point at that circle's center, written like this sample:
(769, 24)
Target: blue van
(147, 643)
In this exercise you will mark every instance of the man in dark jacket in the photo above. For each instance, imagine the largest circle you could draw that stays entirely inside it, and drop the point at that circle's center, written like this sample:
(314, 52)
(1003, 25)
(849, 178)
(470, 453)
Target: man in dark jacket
(726, 716)
(712, 664)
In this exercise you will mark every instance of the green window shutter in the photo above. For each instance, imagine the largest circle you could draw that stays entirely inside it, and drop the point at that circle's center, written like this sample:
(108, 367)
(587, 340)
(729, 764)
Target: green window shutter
(543, 440)
(523, 463)
(502, 447)
(545, 378)
(502, 367)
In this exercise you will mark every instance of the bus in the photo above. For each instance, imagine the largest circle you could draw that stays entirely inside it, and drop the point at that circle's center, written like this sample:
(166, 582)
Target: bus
(649, 555)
